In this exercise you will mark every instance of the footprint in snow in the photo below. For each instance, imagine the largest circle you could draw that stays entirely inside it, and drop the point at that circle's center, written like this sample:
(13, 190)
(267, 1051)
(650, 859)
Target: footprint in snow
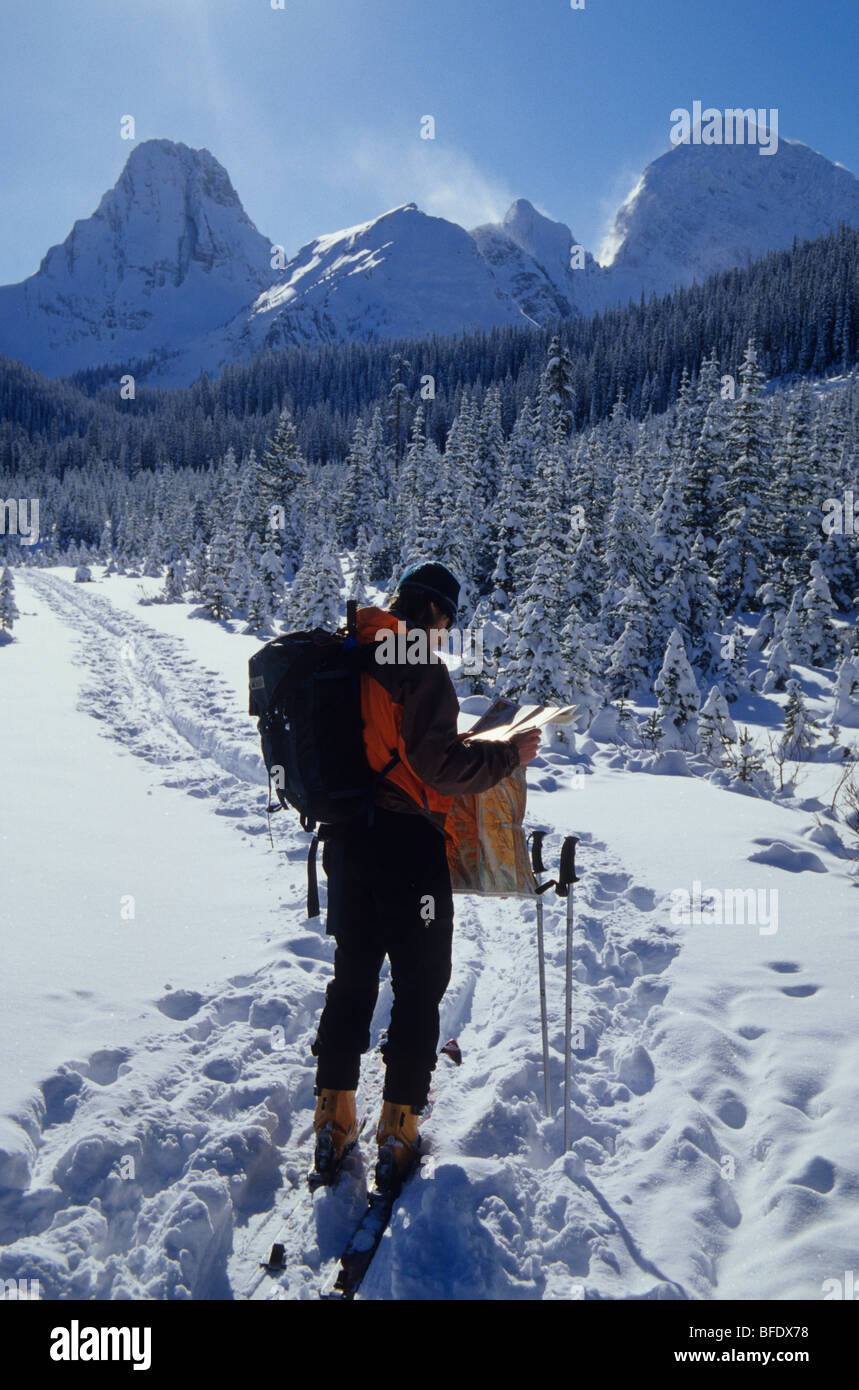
(180, 1003)
(61, 1092)
(223, 1069)
(642, 898)
(612, 883)
(731, 1111)
(819, 1175)
(233, 1008)
(103, 1066)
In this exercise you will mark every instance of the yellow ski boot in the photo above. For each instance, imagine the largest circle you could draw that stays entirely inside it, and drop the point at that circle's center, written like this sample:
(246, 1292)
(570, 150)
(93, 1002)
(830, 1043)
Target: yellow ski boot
(399, 1145)
(335, 1124)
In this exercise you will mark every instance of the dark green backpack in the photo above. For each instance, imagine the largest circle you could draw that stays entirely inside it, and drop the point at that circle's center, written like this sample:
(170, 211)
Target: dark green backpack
(305, 691)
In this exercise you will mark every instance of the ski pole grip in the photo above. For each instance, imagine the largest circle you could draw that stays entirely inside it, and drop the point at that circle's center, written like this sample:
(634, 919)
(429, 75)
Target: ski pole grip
(567, 871)
(537, 837)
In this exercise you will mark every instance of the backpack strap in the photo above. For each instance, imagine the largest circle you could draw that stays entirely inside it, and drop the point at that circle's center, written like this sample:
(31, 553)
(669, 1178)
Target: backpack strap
(271, 807)
(383, 772)
(312, 883)
(312, 877)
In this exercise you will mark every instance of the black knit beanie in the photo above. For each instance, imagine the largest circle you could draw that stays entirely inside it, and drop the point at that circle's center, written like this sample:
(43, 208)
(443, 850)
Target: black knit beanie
(436, 581)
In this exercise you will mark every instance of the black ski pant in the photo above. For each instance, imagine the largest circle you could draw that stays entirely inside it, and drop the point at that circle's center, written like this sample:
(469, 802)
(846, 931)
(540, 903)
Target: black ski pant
(389, 894)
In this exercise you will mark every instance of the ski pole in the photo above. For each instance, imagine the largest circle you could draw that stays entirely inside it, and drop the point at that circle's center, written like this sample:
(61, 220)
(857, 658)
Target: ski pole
(545, 1027)
(567, 876)
(539, 867)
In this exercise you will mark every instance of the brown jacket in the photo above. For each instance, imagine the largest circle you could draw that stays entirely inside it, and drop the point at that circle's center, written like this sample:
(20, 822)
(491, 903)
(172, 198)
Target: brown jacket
(412, 710)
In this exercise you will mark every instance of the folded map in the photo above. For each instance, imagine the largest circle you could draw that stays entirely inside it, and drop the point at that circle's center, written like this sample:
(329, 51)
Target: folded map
(486, 847)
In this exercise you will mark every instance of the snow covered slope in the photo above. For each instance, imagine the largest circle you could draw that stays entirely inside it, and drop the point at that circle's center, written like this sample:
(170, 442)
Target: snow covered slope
(159, 1126)
(168, 255)
(402, 274)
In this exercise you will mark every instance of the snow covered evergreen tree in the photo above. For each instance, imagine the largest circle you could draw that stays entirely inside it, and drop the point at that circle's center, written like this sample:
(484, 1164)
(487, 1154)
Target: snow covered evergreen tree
(361, 564)
(258, 617)
(800, 730)
(578, 649)
(728, 662)
(742, 553)
(779, 670)
(490, 454)
(239, 582)
(627, 667)
(372, 464)
(8, 608)
(509, 510)
(748, 763)
(276, 479)
(715, 725)
(196, 577)
(791, 631)
(704, 484)
(626, 554)
(796, 490)
(536, 670)
(218, 600)
(678, 698)
(670, 542)
(315, 596)
(819, 632)
(269, 571)
(583, 571)
(772, 602)
(174, 582)
(398, 410)
(556, 397)
(845, 704)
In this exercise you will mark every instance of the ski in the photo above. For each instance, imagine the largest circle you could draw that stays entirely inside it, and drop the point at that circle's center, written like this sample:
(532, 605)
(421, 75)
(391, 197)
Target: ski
(355, 1259)
(276, 1262)
(365, 1240)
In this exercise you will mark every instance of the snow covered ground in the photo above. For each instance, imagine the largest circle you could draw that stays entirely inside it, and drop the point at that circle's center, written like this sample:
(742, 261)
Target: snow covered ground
(162, 986)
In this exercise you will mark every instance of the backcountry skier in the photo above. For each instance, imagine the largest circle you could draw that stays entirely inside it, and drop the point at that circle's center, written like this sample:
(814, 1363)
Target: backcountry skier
(389, 889)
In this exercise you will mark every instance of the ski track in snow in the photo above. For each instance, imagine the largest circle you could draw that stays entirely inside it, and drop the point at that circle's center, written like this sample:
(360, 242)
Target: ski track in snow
(141, 688)
(212, 1127)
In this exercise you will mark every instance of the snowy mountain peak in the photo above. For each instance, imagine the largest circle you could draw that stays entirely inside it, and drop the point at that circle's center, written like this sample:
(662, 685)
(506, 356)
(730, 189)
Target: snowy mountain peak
(406, 215)
(532, 230)
(155, 163)
(549, 242)
(699, 209)
(530, 255)
(168, 255)
(170, 207)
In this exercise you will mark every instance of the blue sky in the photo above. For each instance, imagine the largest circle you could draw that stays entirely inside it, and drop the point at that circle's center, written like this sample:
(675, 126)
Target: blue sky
(315, 108)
